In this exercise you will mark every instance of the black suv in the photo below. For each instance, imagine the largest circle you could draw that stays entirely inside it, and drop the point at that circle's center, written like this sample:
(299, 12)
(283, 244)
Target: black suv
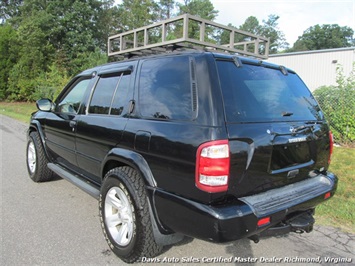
(195, 143)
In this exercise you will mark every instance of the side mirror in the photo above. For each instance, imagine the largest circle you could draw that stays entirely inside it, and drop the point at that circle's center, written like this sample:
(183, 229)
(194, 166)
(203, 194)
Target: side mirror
(45, 105)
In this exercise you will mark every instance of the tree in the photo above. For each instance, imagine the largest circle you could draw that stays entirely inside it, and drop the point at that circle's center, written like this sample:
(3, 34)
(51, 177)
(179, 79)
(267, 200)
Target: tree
(324, 36)
(268, 29)
(8, 57)
(271, 30)
(137, 13)
(166, 8)
(251, 25)
(9, 9)
(200, 8)
(65, 33)
(49, 40)
(203, 9)
(34, 55)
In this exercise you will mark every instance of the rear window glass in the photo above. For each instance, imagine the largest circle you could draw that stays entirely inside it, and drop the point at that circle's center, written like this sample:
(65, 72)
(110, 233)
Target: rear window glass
(257, 94)
(165, 89)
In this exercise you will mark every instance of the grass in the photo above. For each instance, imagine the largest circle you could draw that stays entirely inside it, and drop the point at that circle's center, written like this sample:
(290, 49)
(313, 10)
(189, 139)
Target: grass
(339, 211)
(20, 111)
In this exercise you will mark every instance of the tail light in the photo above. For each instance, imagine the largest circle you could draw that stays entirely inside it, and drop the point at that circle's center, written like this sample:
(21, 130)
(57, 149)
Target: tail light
(331, 144)
(263, 222)
(212, 166)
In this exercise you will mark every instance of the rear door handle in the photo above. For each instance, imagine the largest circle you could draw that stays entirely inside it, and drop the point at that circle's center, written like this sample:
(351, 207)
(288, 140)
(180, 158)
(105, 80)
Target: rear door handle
(72, 124)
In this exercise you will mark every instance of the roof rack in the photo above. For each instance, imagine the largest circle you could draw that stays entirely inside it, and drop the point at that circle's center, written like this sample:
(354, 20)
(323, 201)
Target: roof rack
(187, 31)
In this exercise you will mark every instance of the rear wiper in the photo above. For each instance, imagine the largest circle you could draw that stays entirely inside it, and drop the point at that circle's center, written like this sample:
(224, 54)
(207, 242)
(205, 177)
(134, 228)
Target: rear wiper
(287, 113)
(296, 129)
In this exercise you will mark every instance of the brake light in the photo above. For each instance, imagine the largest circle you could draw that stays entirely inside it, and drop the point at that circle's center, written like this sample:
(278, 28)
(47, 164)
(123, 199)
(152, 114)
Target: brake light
(331, 144)
(212, 166)
(263, 221)
(327, 195)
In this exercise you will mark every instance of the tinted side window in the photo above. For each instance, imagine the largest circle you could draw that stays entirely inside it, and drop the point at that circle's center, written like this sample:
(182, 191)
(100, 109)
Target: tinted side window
(120, 97)
(102, 97)
(71, 101)
(110, 95)
(165, 89)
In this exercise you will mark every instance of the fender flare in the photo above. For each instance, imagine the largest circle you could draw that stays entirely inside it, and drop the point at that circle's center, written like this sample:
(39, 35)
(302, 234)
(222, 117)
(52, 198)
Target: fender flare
(35, 125)
(162, 235)
(132, 159)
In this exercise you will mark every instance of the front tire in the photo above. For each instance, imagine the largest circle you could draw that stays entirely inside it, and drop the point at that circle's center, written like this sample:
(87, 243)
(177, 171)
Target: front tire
(37, 160)
(125, 217)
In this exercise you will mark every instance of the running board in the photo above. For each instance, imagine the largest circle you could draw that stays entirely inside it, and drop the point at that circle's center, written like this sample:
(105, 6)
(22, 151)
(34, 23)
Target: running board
(84, 185)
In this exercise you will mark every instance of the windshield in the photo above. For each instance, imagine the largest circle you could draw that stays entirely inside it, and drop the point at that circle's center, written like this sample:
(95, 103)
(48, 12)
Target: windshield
(255, 93)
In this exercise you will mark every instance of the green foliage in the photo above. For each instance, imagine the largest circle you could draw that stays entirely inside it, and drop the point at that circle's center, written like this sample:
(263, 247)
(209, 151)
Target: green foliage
(8, 9)
(137, 13)
(63, 35)
(277, 38)
(268, 28)
(201, 8)
(49, 84)
(324, 37)
(34, 55)
(43, 42)
(8, 57)
(338, 105)
(166, 8)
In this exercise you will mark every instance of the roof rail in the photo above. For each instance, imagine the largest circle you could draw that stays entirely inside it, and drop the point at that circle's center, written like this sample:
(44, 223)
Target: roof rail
(187, 31)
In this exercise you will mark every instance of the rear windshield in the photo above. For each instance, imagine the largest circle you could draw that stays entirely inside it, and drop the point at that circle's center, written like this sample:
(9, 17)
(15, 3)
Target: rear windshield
(255, 93)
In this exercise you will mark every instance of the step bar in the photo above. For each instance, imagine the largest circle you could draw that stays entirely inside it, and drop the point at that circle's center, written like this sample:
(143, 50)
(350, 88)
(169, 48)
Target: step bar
(84, 185)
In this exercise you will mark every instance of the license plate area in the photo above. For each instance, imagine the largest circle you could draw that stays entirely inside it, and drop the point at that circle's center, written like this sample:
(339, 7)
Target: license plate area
(290, 155)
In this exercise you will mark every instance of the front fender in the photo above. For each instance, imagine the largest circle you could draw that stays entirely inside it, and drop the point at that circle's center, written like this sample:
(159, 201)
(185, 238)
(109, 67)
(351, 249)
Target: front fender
(35, 125)
(132, 159)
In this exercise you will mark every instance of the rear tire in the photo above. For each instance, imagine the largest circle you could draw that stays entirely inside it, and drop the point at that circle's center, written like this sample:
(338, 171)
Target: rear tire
(36, 159)
(125, 217)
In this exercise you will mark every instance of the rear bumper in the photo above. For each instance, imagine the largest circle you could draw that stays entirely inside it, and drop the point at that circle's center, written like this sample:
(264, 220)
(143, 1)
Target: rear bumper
(239, 219)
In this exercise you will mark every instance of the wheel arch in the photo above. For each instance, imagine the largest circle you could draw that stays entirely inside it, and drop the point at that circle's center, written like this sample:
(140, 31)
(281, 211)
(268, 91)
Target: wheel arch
(35, 126)
(121, 157)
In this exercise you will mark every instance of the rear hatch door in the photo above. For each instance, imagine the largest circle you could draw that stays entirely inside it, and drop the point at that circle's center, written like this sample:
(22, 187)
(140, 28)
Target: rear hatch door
(277, 132)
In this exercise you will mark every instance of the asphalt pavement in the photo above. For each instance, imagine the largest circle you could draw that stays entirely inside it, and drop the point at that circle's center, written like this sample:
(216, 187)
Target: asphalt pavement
(55, 223)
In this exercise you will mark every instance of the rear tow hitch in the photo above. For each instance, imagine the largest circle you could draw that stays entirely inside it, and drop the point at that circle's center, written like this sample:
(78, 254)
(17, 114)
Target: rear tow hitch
(254, 238)
(302, 223)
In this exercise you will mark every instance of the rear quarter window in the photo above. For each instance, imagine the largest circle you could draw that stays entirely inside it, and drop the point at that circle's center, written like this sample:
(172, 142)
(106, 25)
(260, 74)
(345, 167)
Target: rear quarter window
(255, 93)
(165, 89)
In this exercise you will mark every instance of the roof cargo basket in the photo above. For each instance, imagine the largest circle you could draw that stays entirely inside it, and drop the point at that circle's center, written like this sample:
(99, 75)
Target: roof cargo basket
(186, 31)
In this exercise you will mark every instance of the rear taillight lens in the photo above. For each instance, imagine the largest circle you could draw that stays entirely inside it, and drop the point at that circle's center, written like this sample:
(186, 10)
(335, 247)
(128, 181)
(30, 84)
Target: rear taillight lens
(331, 144)
(212, 166)
(263, 221)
